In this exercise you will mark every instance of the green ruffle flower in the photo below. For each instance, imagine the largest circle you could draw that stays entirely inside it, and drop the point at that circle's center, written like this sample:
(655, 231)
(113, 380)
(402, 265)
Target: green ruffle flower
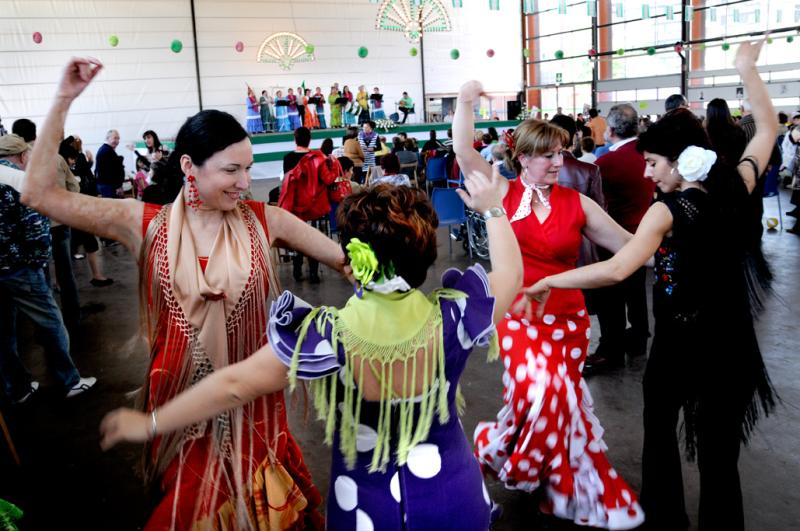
(362, 260)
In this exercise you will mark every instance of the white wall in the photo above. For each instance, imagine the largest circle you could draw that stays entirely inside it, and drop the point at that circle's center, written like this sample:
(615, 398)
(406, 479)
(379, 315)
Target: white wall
(147, 86)
(144, 84)
(336, 28)
(477, 29)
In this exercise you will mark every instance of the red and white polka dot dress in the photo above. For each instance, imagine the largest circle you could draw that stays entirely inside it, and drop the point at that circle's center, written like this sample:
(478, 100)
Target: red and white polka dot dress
(546, 433)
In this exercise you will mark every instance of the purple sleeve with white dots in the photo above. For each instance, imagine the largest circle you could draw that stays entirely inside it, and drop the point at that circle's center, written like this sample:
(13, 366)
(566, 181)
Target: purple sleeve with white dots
(316, 356)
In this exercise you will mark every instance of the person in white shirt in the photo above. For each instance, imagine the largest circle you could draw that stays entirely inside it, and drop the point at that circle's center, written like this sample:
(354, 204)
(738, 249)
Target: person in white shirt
(587, 146)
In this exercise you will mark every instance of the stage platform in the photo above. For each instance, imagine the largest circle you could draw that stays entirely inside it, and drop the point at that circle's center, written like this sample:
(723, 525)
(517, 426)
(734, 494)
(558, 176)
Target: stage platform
(269, 148)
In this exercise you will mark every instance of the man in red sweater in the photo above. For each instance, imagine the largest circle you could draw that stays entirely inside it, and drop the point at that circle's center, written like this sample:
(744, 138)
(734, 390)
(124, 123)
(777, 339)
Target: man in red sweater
(628, 195)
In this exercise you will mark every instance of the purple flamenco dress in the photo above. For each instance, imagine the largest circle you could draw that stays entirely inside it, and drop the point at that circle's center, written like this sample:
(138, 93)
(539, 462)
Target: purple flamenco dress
(398, 463)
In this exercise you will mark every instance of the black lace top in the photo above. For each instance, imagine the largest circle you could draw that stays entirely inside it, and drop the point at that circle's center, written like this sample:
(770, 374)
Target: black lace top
(685, 262)
(702, 308)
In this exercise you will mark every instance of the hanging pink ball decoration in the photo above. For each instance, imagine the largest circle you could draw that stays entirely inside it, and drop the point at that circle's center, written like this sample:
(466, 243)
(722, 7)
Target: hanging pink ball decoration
(37, 37)
(239, 46)
(489, 53)
(678, 47)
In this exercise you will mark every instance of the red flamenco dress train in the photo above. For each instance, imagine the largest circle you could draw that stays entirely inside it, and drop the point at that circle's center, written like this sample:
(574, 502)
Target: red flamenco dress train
(234, 472)
(546, 434)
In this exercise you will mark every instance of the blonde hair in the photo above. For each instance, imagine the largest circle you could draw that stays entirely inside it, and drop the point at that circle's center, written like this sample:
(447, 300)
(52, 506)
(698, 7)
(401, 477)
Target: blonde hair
(536, 137)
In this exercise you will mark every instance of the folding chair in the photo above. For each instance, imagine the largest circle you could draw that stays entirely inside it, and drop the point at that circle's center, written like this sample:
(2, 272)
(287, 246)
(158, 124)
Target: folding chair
(410, 169)
(450, 211)
(435, 171)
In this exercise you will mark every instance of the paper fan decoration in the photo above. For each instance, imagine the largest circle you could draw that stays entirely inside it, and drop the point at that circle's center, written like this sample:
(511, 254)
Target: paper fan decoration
(413, 17)
(285, 49)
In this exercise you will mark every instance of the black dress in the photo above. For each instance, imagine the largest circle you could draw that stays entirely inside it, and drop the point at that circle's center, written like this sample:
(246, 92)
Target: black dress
(705, 361)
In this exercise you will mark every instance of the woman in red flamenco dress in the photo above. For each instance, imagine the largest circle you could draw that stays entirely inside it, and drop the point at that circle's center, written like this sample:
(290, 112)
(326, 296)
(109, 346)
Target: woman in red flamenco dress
(546, 435)
(206, 281)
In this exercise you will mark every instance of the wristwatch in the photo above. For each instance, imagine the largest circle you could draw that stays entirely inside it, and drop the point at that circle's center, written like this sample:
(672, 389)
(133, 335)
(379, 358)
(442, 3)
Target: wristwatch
(494, 212)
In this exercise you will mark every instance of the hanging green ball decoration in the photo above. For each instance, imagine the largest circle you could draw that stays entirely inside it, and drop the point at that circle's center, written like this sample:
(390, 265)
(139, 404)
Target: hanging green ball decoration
(113, 41)
(455, 54)
(559, 54)
(526, 53)
(176, 46)
(310, 49)
(413, 52)
(363, 52)
(621, 51)
(769, 40)
(790, 39)
(651, 51)
(726, 46)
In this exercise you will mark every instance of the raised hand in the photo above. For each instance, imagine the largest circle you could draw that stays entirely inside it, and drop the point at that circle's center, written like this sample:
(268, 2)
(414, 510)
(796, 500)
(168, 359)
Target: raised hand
(747, 54)
(78, 74)
(482, 192)
(539, 292)
(471, 91)
(124, 425)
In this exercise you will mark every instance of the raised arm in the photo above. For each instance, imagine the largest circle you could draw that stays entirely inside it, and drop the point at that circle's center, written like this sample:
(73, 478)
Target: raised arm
(111, 218)
(601, 229)
(468, 159)
(228, 388)
(505, 280)
(760, 146)
(286, 230)
(656, 223)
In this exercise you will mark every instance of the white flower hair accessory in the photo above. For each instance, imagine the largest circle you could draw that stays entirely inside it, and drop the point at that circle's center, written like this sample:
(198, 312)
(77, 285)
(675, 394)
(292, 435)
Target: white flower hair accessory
(694, 163)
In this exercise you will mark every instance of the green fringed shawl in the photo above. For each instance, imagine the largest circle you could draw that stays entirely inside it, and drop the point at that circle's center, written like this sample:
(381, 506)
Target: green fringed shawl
(376, 332)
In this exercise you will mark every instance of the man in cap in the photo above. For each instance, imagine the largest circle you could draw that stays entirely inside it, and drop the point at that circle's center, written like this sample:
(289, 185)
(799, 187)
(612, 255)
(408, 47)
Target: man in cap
(24, 253)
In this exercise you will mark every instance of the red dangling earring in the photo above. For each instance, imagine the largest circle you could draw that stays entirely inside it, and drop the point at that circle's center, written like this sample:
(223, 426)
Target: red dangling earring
(192, 193)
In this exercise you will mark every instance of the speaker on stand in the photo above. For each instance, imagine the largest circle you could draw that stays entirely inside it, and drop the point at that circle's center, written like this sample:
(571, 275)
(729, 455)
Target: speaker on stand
(513, 109)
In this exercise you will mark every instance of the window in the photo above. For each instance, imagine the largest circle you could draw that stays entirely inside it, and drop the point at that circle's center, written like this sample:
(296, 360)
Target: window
(569, 33)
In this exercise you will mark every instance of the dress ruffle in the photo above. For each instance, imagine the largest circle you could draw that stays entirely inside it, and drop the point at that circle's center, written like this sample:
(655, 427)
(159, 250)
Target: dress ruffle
(316, 355)
(474, 321)
(547, 433)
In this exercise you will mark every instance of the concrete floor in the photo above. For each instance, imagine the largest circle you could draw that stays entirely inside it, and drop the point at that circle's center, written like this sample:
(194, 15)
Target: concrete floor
(65, 482)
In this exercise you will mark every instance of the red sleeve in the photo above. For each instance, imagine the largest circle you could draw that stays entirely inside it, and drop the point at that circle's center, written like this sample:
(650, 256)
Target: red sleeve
(150, 211)
(330, 170)
(260, 211)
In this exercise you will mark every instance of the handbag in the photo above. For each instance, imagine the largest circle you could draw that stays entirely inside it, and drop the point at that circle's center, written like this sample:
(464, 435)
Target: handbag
(339, 190)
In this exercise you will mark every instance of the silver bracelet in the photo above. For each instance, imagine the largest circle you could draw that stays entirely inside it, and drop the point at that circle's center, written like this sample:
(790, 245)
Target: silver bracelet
(153, 424)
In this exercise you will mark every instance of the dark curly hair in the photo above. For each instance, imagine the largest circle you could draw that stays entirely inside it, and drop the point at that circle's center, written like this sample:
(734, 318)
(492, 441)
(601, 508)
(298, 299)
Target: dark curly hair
(399, 223)
(677, 130)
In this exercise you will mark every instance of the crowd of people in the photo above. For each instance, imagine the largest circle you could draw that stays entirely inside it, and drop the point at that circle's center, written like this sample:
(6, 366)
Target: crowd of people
(567, 237)
(304, 108)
